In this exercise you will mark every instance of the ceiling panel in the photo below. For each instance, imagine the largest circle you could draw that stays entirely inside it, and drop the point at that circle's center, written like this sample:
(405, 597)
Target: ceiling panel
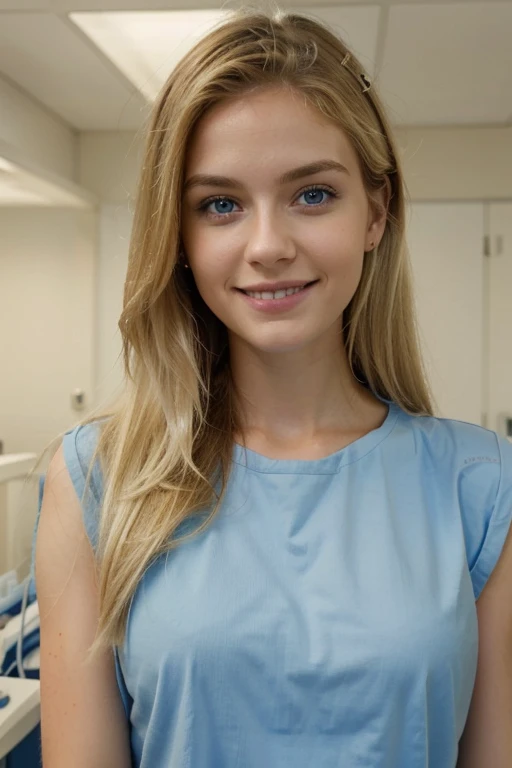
(48, 58)
(147, 46)
(448, 64)
(357, 26)
(65, 6)
(443, 63)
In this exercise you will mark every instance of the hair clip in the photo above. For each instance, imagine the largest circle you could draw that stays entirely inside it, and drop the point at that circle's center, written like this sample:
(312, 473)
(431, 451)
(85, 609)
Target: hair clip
(366, 82)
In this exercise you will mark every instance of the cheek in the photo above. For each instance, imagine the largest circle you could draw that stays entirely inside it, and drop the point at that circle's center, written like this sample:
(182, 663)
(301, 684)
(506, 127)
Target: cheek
(213, 272)
(352, 278)
(209, 255)
(338, 246)
(205, 283)
(346, 266)
(211, 280)
(213, 256)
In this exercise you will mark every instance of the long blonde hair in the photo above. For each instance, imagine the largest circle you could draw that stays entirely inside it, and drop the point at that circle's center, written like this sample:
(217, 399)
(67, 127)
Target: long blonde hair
(165, 447)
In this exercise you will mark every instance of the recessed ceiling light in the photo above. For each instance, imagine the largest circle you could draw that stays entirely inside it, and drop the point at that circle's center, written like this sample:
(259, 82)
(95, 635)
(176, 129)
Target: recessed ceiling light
(146, 46)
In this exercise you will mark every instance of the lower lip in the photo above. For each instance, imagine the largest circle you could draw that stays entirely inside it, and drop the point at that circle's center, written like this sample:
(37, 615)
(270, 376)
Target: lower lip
(277, 305)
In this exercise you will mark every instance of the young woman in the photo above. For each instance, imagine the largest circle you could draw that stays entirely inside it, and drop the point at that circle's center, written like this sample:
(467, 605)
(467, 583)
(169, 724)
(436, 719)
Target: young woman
(278, 548)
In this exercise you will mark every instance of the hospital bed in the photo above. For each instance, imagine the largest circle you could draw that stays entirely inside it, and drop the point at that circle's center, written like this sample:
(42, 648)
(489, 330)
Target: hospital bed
(19, 643)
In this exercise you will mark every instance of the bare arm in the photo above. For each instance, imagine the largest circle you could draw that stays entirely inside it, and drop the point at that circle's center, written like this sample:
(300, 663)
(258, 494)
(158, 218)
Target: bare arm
(487, 737)
(83, 723)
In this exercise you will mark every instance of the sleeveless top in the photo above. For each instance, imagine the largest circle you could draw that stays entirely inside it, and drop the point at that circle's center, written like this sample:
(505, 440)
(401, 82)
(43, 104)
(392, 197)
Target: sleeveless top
(327, 616)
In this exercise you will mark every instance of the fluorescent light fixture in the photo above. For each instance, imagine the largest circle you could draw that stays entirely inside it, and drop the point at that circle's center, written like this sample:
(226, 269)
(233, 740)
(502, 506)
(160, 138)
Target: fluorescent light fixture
(146, 46)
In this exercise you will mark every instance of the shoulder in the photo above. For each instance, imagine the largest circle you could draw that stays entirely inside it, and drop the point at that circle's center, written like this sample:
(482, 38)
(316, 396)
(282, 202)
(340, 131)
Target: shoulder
(451, 445)
(460, 438)
(81, 441)
(474, 466)
(78, 449)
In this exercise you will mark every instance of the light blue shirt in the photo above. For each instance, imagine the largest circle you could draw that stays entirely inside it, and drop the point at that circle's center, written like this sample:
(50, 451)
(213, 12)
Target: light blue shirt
(327, 616)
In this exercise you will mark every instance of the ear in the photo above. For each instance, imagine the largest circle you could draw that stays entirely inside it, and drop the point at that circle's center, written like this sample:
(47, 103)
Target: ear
(377, 215)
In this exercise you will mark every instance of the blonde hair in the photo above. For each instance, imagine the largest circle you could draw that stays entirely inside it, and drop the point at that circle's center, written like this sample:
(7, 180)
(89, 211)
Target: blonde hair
(165, 447)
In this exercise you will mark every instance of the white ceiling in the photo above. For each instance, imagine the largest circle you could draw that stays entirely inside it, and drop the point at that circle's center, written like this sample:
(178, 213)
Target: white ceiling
(97, 68)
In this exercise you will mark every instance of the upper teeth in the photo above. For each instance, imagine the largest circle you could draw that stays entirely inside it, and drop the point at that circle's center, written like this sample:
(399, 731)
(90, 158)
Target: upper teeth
(276, 295)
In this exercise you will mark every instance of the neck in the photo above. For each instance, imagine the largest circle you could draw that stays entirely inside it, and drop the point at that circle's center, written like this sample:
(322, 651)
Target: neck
(288, 396)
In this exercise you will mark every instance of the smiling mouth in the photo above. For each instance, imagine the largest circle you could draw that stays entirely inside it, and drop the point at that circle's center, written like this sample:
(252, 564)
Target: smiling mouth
(280, 294)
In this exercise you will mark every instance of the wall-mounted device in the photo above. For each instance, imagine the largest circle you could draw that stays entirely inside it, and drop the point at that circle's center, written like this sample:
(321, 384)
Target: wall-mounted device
(78, 399)
(505, 425)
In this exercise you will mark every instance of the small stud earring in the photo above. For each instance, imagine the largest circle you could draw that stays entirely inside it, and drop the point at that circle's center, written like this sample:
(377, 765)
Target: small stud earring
(182, 260)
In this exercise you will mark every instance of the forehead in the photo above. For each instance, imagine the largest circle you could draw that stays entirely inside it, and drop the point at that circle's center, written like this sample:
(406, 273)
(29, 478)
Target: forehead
(265, 127)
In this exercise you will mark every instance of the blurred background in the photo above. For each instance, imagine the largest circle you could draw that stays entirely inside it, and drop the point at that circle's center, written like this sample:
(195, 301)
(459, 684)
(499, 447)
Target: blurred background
(77, 78)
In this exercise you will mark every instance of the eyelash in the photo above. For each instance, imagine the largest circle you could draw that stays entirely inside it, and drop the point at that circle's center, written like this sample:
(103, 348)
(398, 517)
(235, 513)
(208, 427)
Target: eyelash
(314, 188)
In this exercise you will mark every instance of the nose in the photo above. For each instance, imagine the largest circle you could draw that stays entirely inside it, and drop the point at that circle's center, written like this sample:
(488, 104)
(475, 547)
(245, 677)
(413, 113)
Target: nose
(269, 239)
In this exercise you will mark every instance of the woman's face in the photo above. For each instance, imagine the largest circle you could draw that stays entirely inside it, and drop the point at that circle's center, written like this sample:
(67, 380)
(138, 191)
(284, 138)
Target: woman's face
(253, 227)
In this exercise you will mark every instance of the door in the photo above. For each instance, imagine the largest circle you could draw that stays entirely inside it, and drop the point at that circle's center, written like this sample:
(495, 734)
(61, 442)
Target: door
(499, 364)
(446, 247)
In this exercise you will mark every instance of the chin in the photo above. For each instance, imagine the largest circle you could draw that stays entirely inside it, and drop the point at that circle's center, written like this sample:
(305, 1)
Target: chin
(280, 346)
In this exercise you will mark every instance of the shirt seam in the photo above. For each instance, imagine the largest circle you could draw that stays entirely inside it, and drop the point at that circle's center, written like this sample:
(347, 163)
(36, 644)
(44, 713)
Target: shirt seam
(319, 473)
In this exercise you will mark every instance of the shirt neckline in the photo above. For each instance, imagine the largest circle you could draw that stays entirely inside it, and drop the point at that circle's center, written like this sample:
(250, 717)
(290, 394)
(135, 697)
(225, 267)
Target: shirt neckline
(327, 465)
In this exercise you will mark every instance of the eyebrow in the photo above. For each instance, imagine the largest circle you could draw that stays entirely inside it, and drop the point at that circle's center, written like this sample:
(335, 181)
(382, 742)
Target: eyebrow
(206, 180)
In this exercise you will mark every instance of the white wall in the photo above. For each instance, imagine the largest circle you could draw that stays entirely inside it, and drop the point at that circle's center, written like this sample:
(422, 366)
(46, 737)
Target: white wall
(47, 321)
(47, 307)
(108, 164)
(457, 163)
(42, 137)
(114, 233)
(445, 241)
(47, 327)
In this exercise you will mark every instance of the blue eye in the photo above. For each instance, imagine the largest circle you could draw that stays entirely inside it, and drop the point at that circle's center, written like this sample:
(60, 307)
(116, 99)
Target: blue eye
(314, 192)
(221, 201)
(311, 194)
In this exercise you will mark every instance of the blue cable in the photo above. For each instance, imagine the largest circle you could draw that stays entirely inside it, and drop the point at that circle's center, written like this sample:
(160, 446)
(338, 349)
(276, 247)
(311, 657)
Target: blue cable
(4, 699)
